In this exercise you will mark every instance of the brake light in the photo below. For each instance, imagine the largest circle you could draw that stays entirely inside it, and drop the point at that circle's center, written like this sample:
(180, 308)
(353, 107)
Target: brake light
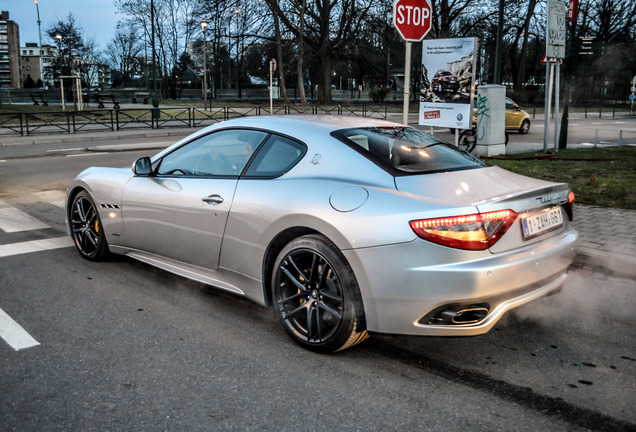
(571, 197)
(476, 231)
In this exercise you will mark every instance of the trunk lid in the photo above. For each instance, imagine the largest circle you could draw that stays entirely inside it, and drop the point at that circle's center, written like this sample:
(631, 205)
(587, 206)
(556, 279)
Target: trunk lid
(491, 189)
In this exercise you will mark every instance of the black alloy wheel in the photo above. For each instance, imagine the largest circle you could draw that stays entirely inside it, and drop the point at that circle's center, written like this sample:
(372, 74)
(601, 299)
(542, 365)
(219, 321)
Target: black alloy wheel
(317, 297)
(86, 228)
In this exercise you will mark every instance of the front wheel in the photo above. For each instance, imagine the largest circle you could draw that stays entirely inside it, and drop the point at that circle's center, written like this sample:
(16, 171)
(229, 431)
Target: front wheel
(525, 127)
(86, 228)
(316, 296)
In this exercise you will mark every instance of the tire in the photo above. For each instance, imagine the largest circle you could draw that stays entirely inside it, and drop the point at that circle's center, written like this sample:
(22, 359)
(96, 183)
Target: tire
(86, 228)
(525, 127)
(316, 296)
(467, 140)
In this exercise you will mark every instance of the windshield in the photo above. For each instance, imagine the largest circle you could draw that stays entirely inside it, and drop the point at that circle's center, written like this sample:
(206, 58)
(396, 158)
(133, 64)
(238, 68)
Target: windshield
(405, 150)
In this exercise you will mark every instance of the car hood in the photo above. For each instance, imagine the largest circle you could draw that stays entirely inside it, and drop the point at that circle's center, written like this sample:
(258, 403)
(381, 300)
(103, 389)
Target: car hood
(481, 187)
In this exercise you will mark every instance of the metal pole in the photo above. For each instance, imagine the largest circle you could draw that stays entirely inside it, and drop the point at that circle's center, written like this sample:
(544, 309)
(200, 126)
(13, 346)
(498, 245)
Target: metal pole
(556, 106)
(546, 121)
(146, 59)
(407, 83)
(40, 33)
(271, 87)
(155, 97)
(205, 72)
(498, 47)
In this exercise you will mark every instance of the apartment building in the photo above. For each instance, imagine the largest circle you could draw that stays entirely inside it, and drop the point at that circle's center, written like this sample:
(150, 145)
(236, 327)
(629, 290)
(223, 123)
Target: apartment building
(37, 64)
(9, 52)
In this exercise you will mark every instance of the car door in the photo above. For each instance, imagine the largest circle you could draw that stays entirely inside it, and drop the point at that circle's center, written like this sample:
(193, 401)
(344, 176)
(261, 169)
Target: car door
(180, 210)
(514, 116)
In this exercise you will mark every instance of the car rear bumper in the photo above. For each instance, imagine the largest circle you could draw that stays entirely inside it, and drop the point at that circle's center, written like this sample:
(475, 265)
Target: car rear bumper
(406, 287)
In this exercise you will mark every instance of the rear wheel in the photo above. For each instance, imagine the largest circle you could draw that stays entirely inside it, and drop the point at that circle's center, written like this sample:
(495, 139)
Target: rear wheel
(317, 297)
(86, 228)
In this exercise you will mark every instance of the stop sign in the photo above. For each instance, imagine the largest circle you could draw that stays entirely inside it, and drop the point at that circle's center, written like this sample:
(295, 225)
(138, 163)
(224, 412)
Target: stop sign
(412, 19)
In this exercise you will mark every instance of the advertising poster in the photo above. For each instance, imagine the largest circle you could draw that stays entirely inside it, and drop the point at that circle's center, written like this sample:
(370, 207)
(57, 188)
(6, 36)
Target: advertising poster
(446, 87)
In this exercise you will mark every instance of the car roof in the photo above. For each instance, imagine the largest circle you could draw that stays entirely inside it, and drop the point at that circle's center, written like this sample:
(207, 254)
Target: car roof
(301, 124)
(302, 127)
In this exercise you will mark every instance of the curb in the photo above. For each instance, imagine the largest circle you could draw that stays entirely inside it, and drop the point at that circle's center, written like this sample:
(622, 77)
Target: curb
(613, 263)
(73, 138)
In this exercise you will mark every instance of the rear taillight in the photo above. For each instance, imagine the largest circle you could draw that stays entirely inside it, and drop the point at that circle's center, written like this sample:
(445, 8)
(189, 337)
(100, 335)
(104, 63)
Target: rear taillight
(568, 207)
(474, 232)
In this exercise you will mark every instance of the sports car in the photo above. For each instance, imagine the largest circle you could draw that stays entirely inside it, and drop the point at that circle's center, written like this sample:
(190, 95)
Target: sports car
(343, 226)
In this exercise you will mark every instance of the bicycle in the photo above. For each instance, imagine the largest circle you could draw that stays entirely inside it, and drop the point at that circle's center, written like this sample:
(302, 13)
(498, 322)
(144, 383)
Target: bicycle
(468, 139)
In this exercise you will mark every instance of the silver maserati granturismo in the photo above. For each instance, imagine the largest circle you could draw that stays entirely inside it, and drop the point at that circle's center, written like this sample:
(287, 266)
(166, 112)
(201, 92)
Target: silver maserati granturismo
(342, 225)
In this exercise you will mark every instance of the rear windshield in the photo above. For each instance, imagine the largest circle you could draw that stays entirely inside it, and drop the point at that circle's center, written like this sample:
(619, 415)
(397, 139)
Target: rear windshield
(405, 150)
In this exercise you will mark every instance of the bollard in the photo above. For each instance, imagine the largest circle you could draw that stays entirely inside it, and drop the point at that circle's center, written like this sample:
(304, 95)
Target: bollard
(585, 111)
(620, 138)
(595, 138)
(600, 112)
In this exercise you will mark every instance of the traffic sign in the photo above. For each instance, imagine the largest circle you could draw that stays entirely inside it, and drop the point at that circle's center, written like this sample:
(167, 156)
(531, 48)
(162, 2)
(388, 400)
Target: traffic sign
(552, 61)
(555, 32)
(412, 19)
(632, 97)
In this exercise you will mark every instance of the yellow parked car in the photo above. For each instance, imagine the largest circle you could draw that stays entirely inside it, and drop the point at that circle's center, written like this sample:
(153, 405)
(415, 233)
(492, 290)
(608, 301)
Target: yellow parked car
(516, 118)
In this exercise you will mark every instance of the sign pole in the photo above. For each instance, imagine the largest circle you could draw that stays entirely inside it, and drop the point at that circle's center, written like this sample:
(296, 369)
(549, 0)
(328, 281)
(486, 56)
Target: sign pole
(556, 107)
(547, 93)
(407, 84)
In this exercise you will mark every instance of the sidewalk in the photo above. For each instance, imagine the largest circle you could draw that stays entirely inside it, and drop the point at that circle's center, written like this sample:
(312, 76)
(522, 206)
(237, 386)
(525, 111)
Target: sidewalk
(607, 235)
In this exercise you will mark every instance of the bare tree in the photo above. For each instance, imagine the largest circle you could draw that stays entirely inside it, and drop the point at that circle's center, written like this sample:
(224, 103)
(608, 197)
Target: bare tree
(125, 49)
(329, 26)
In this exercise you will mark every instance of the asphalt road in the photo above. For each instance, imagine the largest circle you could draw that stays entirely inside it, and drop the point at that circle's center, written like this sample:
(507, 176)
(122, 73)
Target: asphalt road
(124, 346)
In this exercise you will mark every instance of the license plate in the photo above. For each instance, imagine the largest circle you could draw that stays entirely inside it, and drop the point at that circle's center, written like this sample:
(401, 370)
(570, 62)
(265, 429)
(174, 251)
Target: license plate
(540, 223)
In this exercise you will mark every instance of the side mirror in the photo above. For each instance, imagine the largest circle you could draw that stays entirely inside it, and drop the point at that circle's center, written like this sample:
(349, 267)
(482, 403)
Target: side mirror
(142, 166)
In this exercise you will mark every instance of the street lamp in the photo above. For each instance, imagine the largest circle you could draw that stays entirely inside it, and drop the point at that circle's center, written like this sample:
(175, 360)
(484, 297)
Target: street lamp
(59, 48)
(204, 26)
(229, 48)
(37, 7)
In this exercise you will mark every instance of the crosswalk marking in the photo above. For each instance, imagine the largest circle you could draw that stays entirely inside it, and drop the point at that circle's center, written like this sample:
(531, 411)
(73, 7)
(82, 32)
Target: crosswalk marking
(35, 246)
(14, 220)
(14, 334)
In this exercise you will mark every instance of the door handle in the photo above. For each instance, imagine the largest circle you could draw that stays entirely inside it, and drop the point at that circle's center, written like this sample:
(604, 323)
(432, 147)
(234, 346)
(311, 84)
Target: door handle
(213, 199)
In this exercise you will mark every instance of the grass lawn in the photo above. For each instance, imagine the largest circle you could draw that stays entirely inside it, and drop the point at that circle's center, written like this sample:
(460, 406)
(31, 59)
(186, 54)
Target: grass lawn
(608, 181)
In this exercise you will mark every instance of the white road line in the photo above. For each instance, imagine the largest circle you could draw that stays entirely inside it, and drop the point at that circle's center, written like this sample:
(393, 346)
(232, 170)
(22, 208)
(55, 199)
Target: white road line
(54, 197)
(64, 150)
(35, 246)
(15, 335)
(87, 154)
(14, 220)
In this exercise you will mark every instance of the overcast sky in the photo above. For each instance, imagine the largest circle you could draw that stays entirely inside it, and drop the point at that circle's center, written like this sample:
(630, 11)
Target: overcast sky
(97, 18)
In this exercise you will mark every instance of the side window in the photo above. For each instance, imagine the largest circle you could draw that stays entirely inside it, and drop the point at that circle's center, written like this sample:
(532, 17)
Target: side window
(223, 153)
(278, 155)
